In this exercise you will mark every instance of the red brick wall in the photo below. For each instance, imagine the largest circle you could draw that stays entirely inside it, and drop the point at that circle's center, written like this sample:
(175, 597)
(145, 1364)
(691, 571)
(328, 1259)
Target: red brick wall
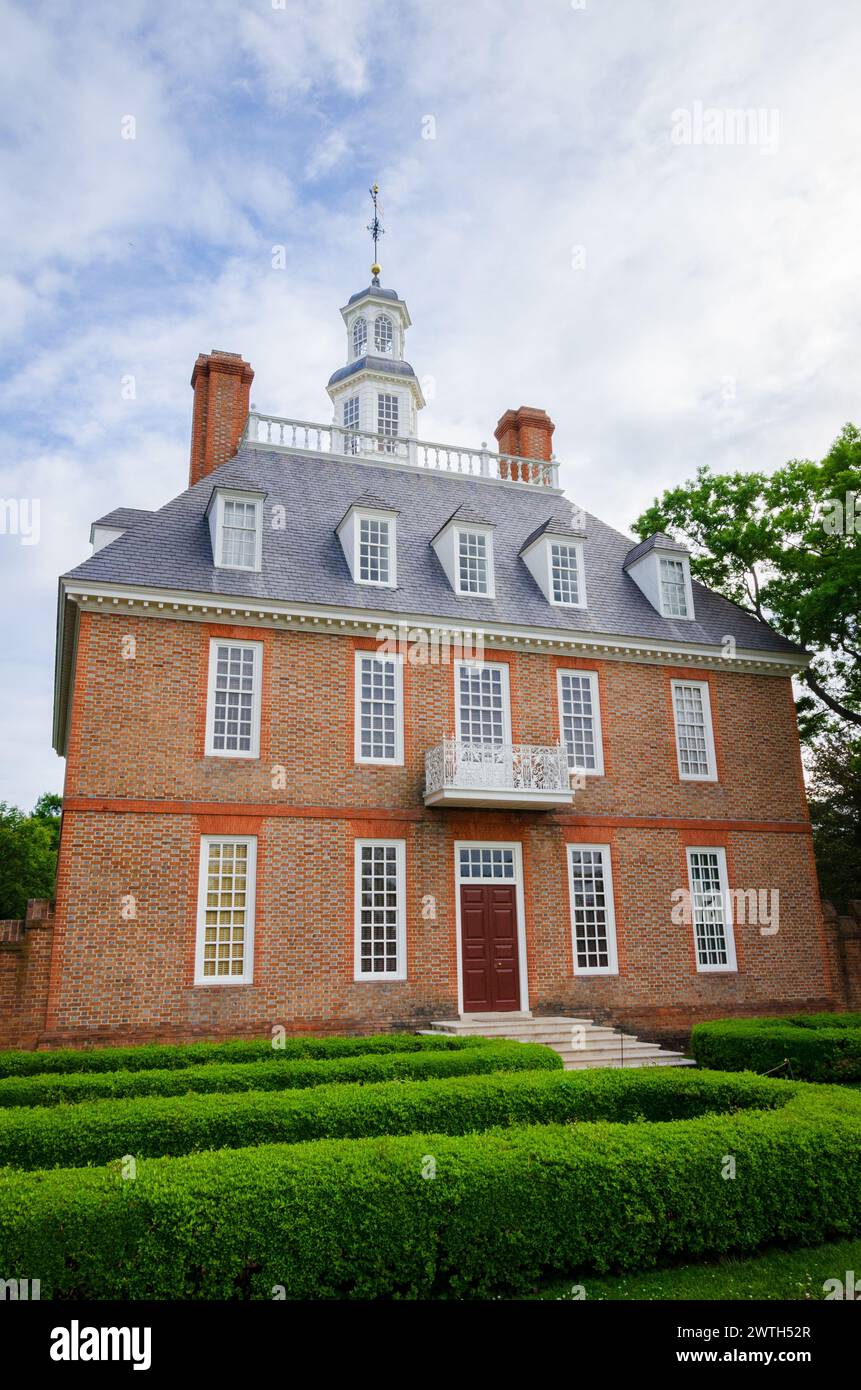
(140, 793)
(25, 962)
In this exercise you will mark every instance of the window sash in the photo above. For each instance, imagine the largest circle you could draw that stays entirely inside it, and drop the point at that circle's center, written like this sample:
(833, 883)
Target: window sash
(486, 862)
(374, 549)
(360, 337)
(482, 703)
(593, 921)
(387, 421)
(225, 919)
(380, 910)
(378, 708)
(384, 335)
(694, 735)
(473, 562)
(580, 720)
(674, 598)
(234, 699)
(710, 910)
(351, 422)
(239, 533)
(565, 574)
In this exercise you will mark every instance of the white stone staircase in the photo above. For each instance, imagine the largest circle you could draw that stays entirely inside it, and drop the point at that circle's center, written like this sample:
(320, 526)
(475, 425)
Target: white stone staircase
(579, 1042)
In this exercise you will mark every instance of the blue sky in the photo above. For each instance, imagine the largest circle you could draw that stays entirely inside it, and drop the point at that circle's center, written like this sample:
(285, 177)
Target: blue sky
(668, 303)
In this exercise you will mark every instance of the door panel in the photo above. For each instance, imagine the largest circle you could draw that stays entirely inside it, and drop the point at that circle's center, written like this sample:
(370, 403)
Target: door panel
(491, 976)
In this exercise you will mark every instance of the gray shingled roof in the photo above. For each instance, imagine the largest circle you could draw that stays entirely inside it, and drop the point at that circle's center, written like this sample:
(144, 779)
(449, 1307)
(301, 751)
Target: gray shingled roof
(124, 517)
(375, 290)
(657, 538)
(391, 365)
(304, 562)
(558, 525)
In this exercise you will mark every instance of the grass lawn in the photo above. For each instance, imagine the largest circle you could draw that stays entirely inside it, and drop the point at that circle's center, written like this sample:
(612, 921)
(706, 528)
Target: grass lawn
(779, 1274)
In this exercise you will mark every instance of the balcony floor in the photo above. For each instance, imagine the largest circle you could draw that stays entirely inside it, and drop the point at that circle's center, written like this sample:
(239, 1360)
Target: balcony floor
(507, 797)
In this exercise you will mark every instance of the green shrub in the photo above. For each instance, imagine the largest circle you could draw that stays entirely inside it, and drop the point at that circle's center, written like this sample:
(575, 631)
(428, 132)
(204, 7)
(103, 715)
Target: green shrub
(818, 1047)
(161, 1055)
(423, 1215)
(152, 1126)
(274, 1076)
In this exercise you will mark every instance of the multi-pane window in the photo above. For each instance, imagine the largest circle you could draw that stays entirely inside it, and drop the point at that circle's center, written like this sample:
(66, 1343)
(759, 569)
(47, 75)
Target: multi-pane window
(674, 599)
(473, 562)
(233, 707)
(564, 573)
(380, 894)
(379, 736)
(486, 863)
(360, 337)
(482, 702)
(225, 910)
(384, 335)
(351, 421)
(592, 919)
(374, 533)
(712, 923)
(239, 527)
(694, 740)
(580, 720)
(387, 421)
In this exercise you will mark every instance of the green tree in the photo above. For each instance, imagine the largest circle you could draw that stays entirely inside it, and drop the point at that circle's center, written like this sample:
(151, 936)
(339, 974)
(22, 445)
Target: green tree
(835, 810)
(28, 853)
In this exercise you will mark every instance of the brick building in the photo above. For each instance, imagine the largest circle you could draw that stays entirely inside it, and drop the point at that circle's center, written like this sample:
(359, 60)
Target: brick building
(365, 732)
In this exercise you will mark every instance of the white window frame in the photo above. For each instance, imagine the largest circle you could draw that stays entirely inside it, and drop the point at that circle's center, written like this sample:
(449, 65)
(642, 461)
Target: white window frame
(391, 522)
(396, 660)
(731, 966)
(389, 351)
(382, 977)
(247, 976)
(686, 584)
(355, 330)
(256, 502)
(708, 729)
(597, 732)
(612, 966)
(506, 697)
(487, 533)
(577, 547)
(256, 704)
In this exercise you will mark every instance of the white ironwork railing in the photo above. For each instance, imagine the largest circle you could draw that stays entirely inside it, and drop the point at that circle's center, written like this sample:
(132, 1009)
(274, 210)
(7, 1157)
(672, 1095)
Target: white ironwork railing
(277, 432)
(496, 767)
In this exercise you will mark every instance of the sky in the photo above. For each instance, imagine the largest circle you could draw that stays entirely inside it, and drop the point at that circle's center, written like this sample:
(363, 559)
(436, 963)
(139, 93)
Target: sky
(642, 217)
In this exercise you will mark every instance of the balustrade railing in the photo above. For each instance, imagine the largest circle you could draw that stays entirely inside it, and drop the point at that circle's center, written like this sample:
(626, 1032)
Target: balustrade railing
(521, 767)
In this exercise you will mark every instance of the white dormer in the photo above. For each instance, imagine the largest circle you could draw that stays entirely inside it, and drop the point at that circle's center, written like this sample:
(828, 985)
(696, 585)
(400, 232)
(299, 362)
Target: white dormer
(368, 533)
(376, 392)
(235, 518)
(464, 546)
(662, 569)
(555, 558)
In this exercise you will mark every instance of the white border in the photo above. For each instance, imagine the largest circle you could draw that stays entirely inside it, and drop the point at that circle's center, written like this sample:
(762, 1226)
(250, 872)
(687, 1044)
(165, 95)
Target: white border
(476, 530)
(256, 702)
(731, 966)
(387, 519)
(712, 774)
(610, 908)
(226, 495)
(689, 592)
(521, 914)
(401, 872)
(577, 547)
(597, 731)
(506, 697)
(395, 657)
(247, 976)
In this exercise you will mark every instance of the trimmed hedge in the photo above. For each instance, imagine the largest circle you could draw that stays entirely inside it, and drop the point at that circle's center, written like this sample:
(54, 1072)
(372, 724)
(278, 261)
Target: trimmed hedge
(419, 1216)
(160, 1056)
(152, 1126)
(818, 1047)
(275, 1076)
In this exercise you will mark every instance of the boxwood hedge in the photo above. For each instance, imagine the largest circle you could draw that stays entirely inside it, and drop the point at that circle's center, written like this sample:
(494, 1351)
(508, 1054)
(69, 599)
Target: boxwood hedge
(272, 1076)
(818, 1047)
(151, 1126)
(164, 1055)
(436, 1215)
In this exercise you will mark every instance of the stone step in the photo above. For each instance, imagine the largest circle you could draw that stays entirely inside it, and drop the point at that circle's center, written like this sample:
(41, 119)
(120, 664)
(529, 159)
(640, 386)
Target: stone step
(602, 1045)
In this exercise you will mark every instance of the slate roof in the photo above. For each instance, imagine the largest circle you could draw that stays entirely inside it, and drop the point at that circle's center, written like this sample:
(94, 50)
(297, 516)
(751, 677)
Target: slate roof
(391, 365)
(375, 290)
(658, 538)
(558, 525)
(304, 563)
(124, 517)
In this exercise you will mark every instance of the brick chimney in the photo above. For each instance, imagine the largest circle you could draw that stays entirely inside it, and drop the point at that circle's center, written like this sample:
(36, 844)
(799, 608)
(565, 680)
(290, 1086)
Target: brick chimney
(527, 433)
(222, 389)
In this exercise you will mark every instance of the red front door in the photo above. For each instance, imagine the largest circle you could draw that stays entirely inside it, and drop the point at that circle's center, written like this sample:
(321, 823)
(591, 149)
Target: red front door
(488, 928)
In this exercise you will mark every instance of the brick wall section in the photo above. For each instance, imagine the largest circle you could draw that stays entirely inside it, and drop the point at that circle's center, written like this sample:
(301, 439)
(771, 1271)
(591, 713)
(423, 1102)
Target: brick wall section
(25, 961)
(843, 934)
(222, 389)
(140, 793)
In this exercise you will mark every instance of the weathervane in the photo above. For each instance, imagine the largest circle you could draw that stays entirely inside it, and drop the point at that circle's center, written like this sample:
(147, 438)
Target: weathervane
(376, 231)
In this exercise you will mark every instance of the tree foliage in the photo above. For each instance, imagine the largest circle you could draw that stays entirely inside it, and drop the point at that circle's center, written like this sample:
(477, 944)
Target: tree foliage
(28, 853)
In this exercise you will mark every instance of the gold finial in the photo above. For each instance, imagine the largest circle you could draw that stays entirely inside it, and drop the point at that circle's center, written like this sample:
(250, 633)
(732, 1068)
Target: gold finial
(375, 269)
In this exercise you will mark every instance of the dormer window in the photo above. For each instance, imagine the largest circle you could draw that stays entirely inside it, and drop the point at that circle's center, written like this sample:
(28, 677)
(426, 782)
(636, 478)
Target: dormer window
(464, 546)
(368, 535)
(674, 601)
(384, 335)
(360, 337)
(554, 557)
(236, 529)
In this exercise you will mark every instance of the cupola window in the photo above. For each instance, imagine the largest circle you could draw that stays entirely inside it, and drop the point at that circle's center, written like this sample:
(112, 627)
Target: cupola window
(384, 335)
(360, 337)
